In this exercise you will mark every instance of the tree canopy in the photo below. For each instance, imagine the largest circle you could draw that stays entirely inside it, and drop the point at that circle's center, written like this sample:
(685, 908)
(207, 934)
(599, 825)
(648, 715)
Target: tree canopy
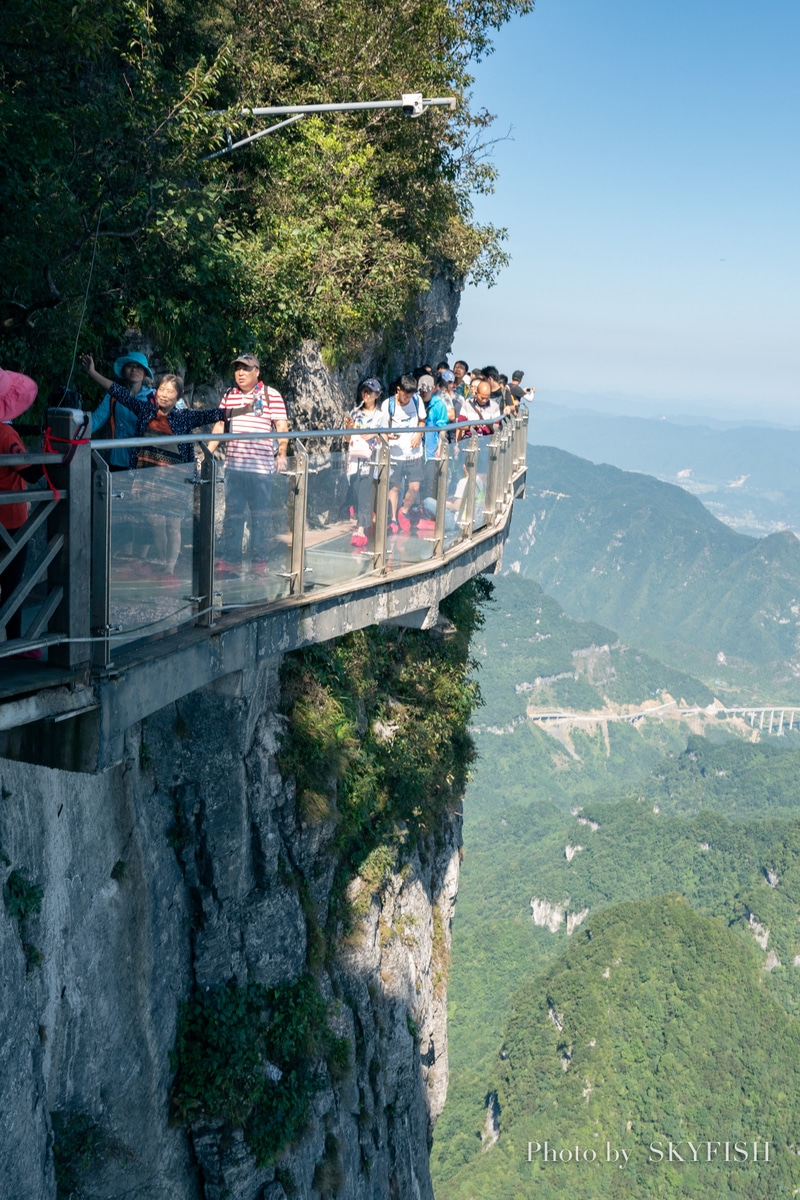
(328, 229)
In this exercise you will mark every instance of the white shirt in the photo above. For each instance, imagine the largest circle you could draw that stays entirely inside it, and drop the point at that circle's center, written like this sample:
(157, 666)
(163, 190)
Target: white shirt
(403, 417)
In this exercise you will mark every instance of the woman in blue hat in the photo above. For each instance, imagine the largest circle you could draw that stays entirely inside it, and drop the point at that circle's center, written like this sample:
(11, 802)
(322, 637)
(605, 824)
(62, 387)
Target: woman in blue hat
(133, 369)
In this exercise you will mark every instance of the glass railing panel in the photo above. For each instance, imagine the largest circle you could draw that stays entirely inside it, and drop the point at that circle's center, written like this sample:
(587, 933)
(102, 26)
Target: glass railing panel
(340, 518)
(456, 492)
(479, 512)
(252, 536)
(150, 580)
(413, 484)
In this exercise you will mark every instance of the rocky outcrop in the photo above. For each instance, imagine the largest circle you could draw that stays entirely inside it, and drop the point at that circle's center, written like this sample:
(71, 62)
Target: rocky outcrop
(318, 396)
(185, 867)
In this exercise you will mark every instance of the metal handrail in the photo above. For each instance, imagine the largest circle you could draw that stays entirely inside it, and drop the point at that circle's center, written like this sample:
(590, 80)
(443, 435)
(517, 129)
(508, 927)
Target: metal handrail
(75, 622)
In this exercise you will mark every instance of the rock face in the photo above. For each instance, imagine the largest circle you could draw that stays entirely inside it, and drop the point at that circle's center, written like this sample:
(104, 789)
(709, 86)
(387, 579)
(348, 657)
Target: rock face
(187, 865)
(318, 396)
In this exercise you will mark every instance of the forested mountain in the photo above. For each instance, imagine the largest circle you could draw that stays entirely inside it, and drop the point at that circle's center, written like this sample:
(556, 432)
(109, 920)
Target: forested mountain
(649, 560)
(531, 652)
(680, 855)
(748, 475)
(653, 1027)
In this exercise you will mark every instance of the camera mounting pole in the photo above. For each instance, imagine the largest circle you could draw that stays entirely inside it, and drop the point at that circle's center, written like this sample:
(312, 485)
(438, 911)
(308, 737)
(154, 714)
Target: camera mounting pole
(413, 104)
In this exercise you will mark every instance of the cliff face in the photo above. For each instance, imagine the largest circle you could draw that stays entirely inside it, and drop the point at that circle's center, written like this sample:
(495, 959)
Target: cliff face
(319, 396)
(185, 867)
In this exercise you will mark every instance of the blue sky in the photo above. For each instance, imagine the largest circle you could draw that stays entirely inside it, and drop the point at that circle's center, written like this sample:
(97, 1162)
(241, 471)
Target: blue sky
(650, 191)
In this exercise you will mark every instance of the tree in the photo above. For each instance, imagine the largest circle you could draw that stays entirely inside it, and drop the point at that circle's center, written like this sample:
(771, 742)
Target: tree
(329, 229)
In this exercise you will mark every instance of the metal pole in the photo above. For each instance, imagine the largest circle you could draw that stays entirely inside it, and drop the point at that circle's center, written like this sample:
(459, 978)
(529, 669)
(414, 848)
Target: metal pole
(253, 138)
(442, 464)
(297, 504)
(382, 506)
(71, 519)
(411, 100)
(467, 515)
(203, 541)
(491, 479)
(100, 619)
(413, 104)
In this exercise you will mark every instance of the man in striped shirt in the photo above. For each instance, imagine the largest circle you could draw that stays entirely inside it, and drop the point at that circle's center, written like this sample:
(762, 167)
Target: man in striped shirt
(250, 466)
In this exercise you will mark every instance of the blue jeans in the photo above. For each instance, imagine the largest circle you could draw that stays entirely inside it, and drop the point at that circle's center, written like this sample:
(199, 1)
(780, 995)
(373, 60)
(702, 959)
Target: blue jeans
(246, 492)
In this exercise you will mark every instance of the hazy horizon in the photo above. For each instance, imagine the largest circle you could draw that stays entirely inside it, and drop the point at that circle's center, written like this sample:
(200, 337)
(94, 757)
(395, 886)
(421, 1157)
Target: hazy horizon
(648, 188)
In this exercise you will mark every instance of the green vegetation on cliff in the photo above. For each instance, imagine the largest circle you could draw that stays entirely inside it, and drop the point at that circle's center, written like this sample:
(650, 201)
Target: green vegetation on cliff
(378, 736)
(327, 230)
(377, 741)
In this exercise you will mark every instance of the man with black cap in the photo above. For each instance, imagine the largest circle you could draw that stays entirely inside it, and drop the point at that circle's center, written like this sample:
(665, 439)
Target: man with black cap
(250, 466)
(518, 391)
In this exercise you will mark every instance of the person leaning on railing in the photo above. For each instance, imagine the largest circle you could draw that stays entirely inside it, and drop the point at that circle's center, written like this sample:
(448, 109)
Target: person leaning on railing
(165, 419)
(17, 394)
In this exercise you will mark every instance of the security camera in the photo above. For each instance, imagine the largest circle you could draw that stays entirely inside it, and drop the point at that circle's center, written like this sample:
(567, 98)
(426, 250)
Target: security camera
(412, 104)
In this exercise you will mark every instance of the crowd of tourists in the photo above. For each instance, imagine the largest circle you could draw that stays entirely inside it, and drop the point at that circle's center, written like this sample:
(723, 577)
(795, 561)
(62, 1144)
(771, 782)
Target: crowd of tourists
(419, 406)
(416, 410)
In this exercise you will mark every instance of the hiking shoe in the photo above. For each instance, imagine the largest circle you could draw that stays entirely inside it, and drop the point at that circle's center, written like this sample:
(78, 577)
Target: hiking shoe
(393, 527)
(403, 520)
(358, 540)
(261, 567)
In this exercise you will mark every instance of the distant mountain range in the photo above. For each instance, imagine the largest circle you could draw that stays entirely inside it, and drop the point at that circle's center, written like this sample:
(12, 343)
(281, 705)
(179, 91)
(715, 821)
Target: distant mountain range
(649, 560)
(747, 475)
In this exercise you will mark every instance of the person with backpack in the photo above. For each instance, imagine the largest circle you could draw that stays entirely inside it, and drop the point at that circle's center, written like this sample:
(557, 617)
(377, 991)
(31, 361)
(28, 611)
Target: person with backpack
(404, 412)
(134, 371)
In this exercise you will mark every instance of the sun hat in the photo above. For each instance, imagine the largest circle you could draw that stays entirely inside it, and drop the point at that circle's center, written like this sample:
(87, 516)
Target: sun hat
(132, 356)
(17, 394)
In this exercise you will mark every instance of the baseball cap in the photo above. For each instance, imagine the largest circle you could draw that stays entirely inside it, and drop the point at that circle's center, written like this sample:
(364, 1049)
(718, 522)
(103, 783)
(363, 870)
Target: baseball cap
(246, 360)
(373, 384)
(425, 383)
(447, 377)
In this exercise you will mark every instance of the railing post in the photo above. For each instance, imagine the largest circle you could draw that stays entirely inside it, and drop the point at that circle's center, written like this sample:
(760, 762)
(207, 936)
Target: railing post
(467, 514)
(203, 540)
(505, 469)
(521, 425)
(491, 477)
(525, 418)
(510, 468)
(297, 519)
(442, 464)
(382, 505)
(100, 618)
(72, 519)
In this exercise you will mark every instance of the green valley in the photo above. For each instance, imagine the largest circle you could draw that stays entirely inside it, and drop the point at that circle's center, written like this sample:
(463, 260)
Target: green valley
(650, 561)
(671, 845)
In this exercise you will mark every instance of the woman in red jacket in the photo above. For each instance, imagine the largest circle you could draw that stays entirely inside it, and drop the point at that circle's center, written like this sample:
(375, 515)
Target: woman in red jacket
(17, 393)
